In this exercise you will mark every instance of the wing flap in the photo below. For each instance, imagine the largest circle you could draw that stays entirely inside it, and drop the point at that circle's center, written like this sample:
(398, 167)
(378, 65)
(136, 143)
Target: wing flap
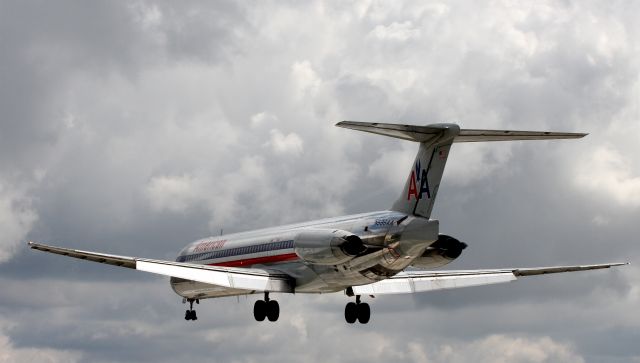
(236, 278)
(408, 284)
(244, 279)
(421, 281)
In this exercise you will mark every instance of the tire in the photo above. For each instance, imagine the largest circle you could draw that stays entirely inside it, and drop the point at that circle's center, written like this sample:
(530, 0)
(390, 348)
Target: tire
(260, 310)
(364, 313)
(193, 315)
(351, 312)
(273, 310)
(187, 315)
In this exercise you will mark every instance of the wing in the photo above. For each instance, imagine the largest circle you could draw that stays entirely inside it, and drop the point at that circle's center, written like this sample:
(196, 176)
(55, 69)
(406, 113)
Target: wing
(252, 279)
(420, 281)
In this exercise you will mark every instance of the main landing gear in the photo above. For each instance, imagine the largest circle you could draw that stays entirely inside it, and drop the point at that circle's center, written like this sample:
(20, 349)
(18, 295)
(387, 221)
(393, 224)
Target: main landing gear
(191, 314)
(357, 311)
(266, 308)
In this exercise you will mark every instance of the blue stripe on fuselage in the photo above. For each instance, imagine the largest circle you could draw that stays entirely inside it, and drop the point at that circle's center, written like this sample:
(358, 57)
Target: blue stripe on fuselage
(237, 251)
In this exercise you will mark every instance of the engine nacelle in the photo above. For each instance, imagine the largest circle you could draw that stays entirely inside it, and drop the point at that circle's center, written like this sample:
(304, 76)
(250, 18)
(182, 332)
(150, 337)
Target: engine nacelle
(440, 253)
(327, 246)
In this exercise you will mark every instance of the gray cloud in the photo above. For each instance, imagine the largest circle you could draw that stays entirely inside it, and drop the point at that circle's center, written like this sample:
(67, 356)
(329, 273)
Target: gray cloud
(133, 128)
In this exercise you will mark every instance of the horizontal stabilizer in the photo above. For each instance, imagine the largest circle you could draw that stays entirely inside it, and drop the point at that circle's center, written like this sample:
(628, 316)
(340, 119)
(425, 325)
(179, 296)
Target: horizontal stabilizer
(404, 132)
(431, 132)
(469, 135)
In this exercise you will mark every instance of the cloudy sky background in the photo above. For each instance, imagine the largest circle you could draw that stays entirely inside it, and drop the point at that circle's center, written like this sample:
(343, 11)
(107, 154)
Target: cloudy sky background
(135, 127)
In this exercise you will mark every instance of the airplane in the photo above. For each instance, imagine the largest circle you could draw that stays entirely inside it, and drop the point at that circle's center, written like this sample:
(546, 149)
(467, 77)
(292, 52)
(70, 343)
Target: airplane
(392, 251)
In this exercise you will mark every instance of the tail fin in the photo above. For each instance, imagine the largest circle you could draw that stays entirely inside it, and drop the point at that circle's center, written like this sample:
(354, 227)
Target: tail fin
(435, 140)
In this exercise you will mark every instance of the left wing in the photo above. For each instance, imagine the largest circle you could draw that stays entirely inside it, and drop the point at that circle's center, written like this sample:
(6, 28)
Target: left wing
(252, 279)
(420, 281)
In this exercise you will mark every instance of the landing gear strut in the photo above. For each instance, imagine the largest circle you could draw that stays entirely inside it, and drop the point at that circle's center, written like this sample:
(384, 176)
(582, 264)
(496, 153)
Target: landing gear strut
(357, 311)
(191, 314)
(266, 308)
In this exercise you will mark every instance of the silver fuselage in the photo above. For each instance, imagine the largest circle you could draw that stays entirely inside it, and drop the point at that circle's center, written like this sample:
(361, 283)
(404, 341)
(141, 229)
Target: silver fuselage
(398, 237)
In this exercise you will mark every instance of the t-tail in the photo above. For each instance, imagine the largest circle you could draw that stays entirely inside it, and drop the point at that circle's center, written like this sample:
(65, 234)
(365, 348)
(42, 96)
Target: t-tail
(421, 188)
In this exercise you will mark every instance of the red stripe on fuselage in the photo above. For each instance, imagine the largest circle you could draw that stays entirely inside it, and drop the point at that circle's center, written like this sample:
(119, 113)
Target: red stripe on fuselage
(257, 260)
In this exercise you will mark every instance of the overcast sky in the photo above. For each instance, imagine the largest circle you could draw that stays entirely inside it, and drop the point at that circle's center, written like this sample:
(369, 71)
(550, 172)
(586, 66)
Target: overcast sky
(135, 127)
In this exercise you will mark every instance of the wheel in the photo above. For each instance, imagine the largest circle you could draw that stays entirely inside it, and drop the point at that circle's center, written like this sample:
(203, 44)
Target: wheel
(351, 312)
(260, 310)
(273, 310)
(190, 315)
(364, 313)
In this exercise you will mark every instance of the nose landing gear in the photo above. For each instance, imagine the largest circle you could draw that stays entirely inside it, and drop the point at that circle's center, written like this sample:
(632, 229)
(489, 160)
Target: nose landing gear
(357, 311)
(191, 314)
(266, 308)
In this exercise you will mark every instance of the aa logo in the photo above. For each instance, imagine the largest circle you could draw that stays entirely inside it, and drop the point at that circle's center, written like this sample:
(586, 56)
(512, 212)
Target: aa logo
(418, 183)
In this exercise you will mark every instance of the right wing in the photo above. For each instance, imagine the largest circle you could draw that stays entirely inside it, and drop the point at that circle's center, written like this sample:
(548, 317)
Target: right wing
(421, 281)
(251, 279)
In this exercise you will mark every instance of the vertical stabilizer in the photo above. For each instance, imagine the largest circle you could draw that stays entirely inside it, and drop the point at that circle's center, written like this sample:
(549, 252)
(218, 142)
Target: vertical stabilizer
(422, 185)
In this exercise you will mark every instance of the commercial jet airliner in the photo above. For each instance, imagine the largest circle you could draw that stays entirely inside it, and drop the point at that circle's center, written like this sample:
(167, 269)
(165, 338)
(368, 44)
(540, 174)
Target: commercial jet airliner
(393, 251)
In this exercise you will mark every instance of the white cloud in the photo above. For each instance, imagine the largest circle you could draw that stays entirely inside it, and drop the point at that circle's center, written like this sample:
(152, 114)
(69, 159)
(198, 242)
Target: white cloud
(290, 143)
(149, 16)
(306, 80)
(17, 217)
(11, 354)
(393, 166)
(469, 163)
(508, 349)
(600, 220)
(401, 78)
(262, 118)
(298, 322)
(381, 11)
(396, 31)
(172, 193)
(607, 173)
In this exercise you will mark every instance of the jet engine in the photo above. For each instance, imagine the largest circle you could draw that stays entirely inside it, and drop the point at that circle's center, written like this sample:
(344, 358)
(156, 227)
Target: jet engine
(327, 246)
(441, 252)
